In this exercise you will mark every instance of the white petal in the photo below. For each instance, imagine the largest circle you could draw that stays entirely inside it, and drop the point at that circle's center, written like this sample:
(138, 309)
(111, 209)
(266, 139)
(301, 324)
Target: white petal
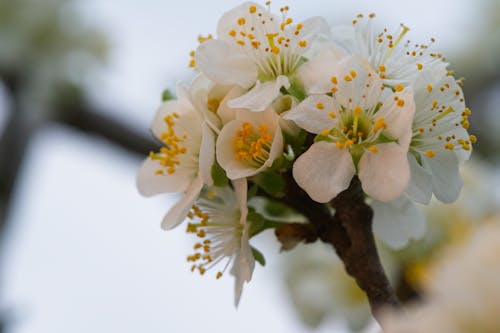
(344, 35)
(226, 113)
(399, 119)
(398, 221)
(226, 155)
(446, 179)
(314, 27)
(225, 151)
(149, 183)
(158, 125)
(199, 92)
(240, 190)
(188, 123)
(225, 63)
(243, 265)
(385, 174)
(324, 171)
(307, 115)
(420, 186)
(315, 74)
(229, 21)
(178, 212)
(207, 154)
(261, 95)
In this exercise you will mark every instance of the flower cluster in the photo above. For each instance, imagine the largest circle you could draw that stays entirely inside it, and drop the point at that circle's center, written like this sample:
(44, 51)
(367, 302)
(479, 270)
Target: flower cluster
(274, 97)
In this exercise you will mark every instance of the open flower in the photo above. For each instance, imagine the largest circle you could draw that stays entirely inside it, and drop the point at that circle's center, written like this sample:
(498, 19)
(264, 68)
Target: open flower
(184, 163)
(440, 139)
(250, 143)
(219, 219)
(395, 60)
(360, 131)
(258, 51)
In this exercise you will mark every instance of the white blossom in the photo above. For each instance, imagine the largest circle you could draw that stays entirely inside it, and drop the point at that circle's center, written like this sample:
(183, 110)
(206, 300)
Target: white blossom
(219, 219)
(258, 51)
(184, 163)
(440, 140)
(397, 61)
(362, 129)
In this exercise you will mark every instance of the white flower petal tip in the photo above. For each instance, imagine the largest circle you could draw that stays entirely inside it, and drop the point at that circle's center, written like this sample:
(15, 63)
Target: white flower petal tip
(420, 186)
(151, 182)
(260, 96)
(384, 174)
(249, 144)
(178, 212)
(324, 171)
(398, 222)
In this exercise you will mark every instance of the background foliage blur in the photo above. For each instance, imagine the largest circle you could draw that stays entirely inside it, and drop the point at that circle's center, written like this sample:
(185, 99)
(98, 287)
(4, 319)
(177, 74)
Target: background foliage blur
(51, 55)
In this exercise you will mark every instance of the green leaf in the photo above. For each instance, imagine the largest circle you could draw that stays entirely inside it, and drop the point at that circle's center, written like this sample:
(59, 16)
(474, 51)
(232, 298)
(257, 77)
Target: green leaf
(271, 182)
(167, 95)
(219, 176)
(259, 257)
(276, 208)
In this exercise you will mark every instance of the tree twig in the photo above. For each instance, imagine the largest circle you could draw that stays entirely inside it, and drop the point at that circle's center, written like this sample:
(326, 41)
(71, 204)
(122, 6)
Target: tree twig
(350, 233)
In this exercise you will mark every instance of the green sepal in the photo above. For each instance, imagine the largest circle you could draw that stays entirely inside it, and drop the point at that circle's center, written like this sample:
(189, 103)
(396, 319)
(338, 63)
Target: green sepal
(219, 175)
(259, 257)
(297, 89)
(276, 208)
(257, 222)
(271, 182)
(167, 95)
(296, 141)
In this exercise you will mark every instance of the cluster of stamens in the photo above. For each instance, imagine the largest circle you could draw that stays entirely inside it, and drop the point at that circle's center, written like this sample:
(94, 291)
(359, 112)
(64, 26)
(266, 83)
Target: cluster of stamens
(439, 112)
(390, 41)
(202, 256)
(168, 156)
(252, 146)
(358, 126)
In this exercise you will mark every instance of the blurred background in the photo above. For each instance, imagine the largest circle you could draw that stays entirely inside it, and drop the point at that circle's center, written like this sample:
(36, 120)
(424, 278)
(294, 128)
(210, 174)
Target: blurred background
(81, 251)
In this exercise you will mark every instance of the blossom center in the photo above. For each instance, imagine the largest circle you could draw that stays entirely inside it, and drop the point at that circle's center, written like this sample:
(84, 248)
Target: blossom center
(252, 145)
(168, 156)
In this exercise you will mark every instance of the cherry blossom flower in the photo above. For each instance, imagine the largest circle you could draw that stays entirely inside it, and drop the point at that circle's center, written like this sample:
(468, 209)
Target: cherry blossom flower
(184, 163)
(257, 51)
(219, 219)
(361, 130)
(440, 140)
(397, 61)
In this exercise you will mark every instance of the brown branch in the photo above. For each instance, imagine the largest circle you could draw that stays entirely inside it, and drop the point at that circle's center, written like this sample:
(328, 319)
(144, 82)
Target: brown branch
(349, 231)
(356, 246)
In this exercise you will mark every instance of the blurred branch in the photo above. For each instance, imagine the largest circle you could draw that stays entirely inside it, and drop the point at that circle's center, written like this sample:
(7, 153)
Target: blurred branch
(72, 109)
